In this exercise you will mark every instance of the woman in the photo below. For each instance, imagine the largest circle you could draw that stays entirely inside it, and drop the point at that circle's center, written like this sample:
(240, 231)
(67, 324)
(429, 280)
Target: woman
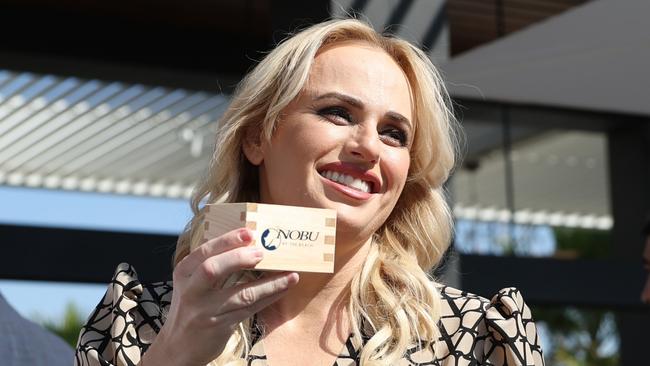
(336, 117)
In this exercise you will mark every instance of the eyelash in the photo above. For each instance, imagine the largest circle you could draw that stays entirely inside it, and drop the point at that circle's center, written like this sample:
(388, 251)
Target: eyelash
(340, 115)
(337, 112)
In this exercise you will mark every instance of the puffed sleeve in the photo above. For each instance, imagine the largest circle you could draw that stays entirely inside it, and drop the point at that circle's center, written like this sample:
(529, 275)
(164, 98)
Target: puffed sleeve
(122, 326)
(512, 335)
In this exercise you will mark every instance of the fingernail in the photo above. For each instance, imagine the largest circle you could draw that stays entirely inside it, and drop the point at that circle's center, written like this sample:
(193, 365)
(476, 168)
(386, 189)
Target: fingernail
(245, 235)
(290, 280)
(294, 277)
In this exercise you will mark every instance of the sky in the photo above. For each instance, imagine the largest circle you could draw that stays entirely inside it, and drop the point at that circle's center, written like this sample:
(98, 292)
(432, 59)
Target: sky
(111, 212)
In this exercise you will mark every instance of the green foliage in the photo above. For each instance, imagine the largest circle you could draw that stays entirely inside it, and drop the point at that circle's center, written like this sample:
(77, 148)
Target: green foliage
(579, 337)
(586, 243)
(68, 328)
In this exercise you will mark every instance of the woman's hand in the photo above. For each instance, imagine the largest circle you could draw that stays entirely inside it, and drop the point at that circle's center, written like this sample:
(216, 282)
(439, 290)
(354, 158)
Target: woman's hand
(203, 315)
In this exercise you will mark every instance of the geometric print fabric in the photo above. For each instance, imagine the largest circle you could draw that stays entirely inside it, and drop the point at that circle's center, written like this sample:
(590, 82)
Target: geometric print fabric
(474, 330)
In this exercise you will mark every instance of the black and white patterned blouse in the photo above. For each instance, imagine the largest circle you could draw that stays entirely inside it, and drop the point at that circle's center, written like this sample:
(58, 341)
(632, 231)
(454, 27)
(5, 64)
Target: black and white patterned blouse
(474, 330)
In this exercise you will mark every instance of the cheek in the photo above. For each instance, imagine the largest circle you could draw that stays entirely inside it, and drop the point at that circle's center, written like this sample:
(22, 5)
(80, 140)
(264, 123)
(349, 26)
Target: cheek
(396, 167)
(297, 148)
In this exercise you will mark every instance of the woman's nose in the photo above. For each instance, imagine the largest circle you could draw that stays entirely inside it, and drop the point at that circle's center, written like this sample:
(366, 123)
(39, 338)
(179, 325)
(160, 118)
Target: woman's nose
(365, 144)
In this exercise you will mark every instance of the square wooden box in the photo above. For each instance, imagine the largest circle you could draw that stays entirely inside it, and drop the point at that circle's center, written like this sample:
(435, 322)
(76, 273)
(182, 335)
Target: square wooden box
(300, 239)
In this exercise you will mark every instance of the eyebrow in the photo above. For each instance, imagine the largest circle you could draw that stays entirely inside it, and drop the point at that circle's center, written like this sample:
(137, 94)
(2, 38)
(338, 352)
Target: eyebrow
(357, 103)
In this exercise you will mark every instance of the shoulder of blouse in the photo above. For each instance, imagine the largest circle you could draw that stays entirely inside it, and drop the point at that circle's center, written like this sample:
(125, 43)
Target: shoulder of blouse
(498, 331)
(125, 322)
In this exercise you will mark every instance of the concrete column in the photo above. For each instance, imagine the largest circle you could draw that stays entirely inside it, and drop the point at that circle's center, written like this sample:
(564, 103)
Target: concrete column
(629, 153)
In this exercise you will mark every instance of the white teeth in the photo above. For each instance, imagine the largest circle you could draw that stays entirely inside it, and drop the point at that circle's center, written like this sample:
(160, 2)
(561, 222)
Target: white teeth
(347, 180)
(360, 185)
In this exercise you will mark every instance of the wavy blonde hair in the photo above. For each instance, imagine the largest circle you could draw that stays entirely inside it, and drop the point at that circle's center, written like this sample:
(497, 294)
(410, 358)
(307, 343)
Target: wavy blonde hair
(393, 298)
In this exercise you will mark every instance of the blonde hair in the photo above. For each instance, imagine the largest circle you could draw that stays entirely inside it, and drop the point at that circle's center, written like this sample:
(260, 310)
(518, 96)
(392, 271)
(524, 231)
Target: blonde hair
(393, 294)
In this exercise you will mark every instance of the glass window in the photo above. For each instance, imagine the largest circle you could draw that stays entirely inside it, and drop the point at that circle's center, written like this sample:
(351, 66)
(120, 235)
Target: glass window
(531, 190)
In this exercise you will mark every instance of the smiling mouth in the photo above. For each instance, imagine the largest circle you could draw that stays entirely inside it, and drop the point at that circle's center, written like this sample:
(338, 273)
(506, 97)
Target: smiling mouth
(348, 181)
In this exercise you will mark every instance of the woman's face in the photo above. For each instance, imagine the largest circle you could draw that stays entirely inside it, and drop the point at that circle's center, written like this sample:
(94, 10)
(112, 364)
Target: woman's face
(344, 142)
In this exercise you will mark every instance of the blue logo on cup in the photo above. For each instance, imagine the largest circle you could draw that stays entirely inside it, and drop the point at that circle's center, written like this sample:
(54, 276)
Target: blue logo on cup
(268, 242)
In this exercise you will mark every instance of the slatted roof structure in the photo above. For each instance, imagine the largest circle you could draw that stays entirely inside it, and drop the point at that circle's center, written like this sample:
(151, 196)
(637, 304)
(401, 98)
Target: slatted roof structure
(110, 137)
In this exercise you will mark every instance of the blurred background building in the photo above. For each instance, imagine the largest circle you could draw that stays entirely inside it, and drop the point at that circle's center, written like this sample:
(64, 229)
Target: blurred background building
(108, 113)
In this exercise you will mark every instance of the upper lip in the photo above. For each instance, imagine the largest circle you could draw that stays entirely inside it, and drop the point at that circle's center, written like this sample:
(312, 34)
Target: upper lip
(354, 171)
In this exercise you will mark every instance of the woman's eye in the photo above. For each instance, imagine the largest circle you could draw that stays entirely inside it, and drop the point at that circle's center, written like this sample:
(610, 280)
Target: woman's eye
(336, 114)
(395, 136)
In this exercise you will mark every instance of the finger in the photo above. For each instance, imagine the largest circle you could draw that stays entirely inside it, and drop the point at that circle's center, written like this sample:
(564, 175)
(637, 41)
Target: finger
(214, 271)
(238, 315)
(256, 295)
(228, 241)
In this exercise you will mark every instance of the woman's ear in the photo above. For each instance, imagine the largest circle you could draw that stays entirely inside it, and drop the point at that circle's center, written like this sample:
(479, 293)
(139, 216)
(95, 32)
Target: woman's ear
(252, 147)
